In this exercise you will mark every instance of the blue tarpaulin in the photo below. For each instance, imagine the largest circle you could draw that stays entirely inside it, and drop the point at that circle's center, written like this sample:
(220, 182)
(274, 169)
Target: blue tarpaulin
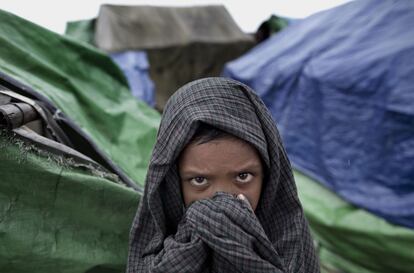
(340, 85)
(135, 66)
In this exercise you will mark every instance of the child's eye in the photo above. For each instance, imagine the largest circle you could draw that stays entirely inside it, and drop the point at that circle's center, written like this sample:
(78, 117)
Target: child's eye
(244, 177)
(198, 181)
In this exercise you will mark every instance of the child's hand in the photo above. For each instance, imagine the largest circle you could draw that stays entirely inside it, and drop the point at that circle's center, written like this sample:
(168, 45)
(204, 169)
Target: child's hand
(243, 198)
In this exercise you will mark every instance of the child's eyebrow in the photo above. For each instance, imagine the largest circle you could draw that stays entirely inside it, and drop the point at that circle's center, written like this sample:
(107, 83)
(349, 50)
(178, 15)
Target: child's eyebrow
(193, 172)
(250, 166)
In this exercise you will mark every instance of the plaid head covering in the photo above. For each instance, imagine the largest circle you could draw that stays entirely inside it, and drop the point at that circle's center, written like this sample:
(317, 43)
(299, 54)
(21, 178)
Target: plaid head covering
(219, 234)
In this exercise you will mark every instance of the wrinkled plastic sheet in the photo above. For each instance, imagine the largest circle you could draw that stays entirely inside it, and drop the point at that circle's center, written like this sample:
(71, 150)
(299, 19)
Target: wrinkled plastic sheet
(120, 28)
(350, 239)
(82, 30)
(86, 85)
(339, 85)
(60, 215)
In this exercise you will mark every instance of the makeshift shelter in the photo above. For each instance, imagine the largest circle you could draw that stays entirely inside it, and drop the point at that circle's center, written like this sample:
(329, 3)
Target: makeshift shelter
(74, 145)
(339, 86)
(182, 43)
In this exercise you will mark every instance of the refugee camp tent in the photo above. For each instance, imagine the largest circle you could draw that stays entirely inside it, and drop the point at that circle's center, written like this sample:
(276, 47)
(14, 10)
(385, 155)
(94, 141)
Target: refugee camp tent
(339, 85)
(182, 43)
(74, 147)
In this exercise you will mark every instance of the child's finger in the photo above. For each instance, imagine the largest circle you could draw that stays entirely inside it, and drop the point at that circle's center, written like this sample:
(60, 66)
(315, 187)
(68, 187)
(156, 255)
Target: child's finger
(242, 197)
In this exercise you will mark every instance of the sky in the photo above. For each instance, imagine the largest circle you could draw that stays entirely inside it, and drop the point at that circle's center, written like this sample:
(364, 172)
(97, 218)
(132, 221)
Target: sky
(53, 14)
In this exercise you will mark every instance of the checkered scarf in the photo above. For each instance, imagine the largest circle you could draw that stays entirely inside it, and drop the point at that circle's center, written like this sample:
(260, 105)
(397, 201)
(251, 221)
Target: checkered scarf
(219, 234)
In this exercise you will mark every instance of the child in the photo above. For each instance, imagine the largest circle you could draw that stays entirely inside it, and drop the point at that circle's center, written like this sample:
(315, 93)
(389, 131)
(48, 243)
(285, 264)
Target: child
(219, 194)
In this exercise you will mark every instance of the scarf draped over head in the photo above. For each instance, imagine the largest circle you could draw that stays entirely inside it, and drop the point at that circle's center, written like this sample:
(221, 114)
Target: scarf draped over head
(219, 234)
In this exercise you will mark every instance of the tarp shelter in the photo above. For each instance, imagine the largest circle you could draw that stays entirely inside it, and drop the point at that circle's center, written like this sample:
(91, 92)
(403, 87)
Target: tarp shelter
(182, 43)
(340, 86)
(72, 141)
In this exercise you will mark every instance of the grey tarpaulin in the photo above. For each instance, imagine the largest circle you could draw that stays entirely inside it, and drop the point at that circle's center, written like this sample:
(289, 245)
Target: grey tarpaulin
(219, 234)
(182, 43)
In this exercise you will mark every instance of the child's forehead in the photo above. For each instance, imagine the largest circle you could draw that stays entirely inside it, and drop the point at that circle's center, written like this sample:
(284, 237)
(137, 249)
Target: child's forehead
(219, 147)
(227, 151)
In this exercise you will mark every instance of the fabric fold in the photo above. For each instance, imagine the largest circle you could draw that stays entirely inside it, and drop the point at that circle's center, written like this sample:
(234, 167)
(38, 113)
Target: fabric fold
(187, 249)
(232, 231)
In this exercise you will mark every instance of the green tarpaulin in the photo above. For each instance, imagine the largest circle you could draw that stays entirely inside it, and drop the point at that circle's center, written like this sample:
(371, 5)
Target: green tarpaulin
(83, 30)
(84, 84)
(351, 239)
(58, 214)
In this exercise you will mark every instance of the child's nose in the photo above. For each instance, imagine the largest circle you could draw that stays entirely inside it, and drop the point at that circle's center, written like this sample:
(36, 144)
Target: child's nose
(225, 186)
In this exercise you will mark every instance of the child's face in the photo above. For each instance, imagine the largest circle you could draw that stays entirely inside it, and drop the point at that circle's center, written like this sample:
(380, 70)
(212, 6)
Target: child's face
(226, 164)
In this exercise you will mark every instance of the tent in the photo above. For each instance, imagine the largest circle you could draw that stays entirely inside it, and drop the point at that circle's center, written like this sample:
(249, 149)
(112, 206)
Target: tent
(182, 43)
(75, 145)
(339, 85)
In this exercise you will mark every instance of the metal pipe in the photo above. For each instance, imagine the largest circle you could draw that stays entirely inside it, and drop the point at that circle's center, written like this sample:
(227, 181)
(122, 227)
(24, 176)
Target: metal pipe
(14, 115)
